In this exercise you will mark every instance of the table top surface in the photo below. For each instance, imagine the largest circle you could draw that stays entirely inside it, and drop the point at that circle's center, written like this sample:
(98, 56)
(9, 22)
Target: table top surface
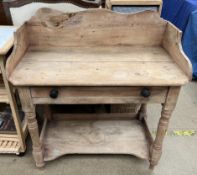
(6, 38)
(98, 66)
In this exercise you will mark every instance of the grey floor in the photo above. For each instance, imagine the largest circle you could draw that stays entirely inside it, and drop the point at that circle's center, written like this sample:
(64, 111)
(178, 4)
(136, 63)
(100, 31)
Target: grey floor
(179, 153)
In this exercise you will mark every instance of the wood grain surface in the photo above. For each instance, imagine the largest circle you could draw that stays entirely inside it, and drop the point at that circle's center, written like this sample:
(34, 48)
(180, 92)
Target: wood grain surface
(101, 66)
(95, 137)
(106, 49)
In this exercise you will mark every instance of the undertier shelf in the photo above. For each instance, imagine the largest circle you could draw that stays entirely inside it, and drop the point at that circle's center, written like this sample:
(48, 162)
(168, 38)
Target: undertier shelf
(95, 137)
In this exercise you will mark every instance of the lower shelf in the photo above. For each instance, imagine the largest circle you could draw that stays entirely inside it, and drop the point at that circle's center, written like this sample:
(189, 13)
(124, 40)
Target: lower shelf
(95, 137)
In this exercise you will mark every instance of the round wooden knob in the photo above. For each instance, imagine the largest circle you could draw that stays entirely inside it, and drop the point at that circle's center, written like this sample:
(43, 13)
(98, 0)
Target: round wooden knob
(53, 93)
(145, 92)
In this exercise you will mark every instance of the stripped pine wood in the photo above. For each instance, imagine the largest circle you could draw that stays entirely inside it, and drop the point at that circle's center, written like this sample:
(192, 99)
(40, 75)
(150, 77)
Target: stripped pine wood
(167, 109)
(98, 54)
(97, 95)
(172, 44)
(67, 92)
(20, 46)
(109, 59)
(30, 113)
(132, 5)
(98, 74)
(95, 136)
(96, 31)
(141, 64)
(100, 27)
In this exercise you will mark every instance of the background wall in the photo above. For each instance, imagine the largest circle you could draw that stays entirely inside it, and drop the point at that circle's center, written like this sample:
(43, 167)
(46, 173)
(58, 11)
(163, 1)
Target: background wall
(2, 15)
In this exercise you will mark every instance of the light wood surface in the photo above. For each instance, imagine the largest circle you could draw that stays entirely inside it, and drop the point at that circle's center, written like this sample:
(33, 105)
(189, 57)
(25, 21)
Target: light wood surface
(20, 46)
(96, 31)
(166, 113)
(110, 58)
(99, 66)
(83, 55)
(97, 95)
(98, 27)
(30, 114)
(90, 137)
(172, 44)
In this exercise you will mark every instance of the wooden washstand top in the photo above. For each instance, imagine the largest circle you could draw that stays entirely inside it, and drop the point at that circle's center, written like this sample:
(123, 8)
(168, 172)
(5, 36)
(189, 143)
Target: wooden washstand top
(98, 48)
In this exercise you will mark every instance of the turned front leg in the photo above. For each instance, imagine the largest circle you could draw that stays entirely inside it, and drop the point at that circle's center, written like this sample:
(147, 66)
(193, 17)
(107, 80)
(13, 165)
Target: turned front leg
(167, 109)
(30, 114)
(34, 133)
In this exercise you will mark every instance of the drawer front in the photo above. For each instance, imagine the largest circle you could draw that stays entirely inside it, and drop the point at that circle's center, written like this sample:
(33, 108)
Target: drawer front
(98, 95)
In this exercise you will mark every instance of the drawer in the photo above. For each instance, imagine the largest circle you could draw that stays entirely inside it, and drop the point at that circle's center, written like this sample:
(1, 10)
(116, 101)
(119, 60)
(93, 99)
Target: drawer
(98, 95)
